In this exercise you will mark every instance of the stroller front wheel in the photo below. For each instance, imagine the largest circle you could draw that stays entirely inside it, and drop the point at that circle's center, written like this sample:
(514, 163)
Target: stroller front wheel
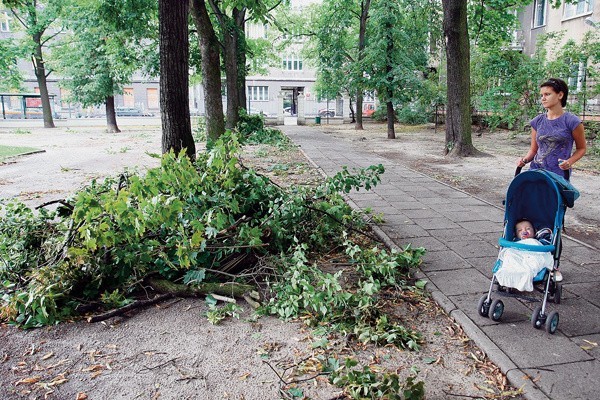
(483, 308)
(496, 310)
(552, 322)
(537, 319)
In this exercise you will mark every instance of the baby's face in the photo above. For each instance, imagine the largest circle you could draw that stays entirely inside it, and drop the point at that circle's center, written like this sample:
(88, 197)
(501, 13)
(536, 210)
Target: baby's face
(524, 230)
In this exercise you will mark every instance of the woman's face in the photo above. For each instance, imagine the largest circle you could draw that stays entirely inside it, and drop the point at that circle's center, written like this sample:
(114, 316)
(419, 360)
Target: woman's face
(549, 97)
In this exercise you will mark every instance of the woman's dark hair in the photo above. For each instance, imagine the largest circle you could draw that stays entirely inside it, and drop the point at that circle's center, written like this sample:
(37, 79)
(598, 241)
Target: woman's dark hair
(558, 85)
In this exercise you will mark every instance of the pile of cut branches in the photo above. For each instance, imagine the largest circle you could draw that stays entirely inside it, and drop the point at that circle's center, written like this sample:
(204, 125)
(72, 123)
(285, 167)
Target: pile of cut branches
(181, 222)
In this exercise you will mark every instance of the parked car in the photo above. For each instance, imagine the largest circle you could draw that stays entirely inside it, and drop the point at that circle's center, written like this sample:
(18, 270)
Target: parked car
(287, 111)
(131, 112)
(327, 112)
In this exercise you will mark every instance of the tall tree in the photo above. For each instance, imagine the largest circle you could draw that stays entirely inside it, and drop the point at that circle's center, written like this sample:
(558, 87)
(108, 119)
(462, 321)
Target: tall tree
(396, 56)
(338, 45)
(211, 71)
(174, 78)
(458, 109)
(100, 54)
(36, 17)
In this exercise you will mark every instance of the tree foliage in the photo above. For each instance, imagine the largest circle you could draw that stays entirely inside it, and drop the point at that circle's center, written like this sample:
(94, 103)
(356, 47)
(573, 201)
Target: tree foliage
(10, 75)
(36, 18)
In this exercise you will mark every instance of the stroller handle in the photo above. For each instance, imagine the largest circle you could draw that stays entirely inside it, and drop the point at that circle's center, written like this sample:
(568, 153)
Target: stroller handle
(566, 172)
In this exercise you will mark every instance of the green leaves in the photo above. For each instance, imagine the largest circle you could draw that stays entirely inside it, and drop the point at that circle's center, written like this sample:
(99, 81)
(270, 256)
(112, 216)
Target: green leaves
(173, 221)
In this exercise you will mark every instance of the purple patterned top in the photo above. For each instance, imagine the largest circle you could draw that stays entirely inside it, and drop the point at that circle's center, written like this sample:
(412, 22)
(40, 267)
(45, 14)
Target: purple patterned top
(554, 139)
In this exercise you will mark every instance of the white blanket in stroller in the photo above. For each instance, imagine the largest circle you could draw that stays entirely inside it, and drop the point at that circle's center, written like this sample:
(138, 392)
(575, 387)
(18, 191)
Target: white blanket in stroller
(519, 267)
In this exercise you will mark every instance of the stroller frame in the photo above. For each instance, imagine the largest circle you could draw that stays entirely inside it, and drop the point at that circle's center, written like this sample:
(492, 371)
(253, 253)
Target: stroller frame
(558, 194)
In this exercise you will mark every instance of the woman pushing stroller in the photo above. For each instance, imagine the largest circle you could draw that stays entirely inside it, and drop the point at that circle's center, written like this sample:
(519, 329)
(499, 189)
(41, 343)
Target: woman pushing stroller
(553, 135)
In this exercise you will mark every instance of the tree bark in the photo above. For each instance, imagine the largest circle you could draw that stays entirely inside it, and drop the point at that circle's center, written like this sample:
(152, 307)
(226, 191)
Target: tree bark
(111, 115)
(174, 78)
(39, 68)
(230, 44)
(362, 31)
(224, 289)
(211, 72)
(391, 117)
(239, 16)
(458, 110)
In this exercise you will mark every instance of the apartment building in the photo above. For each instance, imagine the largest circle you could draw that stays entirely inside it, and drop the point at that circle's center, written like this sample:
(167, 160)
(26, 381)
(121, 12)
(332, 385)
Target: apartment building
(574, 20)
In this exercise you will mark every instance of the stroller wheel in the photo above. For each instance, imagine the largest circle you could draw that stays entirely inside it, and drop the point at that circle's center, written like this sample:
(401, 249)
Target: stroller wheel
(537, 319)
(552, 322)
(484, 306)
(496, 310)
(557, 293)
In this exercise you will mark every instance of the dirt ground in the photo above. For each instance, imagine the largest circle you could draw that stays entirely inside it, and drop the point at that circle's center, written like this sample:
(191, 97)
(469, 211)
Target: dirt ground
(170, 351)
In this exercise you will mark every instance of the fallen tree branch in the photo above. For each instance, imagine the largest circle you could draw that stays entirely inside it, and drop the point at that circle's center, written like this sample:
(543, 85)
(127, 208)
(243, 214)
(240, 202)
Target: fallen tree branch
(225, 289)
(129, 307)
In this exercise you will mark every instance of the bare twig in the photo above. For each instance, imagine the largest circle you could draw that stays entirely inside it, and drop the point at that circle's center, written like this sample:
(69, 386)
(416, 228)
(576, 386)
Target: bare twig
(129, 307)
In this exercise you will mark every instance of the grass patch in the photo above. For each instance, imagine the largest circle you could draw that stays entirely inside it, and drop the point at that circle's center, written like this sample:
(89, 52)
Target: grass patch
(13, 151)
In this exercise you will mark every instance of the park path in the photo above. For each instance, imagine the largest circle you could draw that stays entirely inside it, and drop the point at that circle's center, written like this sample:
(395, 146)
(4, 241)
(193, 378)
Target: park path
(460, 233)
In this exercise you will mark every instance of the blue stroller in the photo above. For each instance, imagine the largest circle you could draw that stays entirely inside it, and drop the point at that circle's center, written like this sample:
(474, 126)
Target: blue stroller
(541, 197)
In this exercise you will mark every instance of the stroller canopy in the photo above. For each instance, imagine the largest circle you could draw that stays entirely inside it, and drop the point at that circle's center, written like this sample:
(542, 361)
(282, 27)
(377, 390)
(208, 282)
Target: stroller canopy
(539, 196)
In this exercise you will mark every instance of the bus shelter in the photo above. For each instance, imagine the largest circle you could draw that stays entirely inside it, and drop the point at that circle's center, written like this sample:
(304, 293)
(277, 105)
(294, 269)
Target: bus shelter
(22, 105)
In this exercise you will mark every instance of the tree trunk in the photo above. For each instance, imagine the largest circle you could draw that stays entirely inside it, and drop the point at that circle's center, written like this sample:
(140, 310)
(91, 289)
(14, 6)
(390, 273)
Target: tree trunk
(230, 44)
(111, 115)
(174, 78)
(364, 16)
(40, 73)
(239, 16)
(211, 72)
(391, 117)
(458, 110)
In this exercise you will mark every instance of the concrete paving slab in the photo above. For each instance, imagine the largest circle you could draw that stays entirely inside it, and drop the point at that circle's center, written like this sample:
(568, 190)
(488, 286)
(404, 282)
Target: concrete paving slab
(576, 381)
(481, 226)
(583, 255)
(529, 347)
(424, 212)
(404, 232)
(459, 282)
(483, 264)
(435, 223)
(407, 205)
(472, 248)
(574, 273)
(578, 317)
(588, 291)
(429, 243)
(443, 261)
(590, 344)
(460, 216)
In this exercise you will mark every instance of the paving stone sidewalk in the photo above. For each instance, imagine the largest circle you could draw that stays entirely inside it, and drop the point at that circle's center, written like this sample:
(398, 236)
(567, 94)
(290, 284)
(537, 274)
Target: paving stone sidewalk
(460, 233)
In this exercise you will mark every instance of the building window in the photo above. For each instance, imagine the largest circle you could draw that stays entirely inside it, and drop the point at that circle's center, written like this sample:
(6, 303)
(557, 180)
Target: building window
(577, 76)
(292, 63)
(578, 8)
(4, 22)
(152, 97)
(128, 100)
(539, 13)
(258, 93)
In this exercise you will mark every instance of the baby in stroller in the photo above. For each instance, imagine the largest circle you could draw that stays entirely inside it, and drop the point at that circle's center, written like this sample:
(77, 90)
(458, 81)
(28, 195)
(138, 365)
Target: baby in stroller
(517, 267)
